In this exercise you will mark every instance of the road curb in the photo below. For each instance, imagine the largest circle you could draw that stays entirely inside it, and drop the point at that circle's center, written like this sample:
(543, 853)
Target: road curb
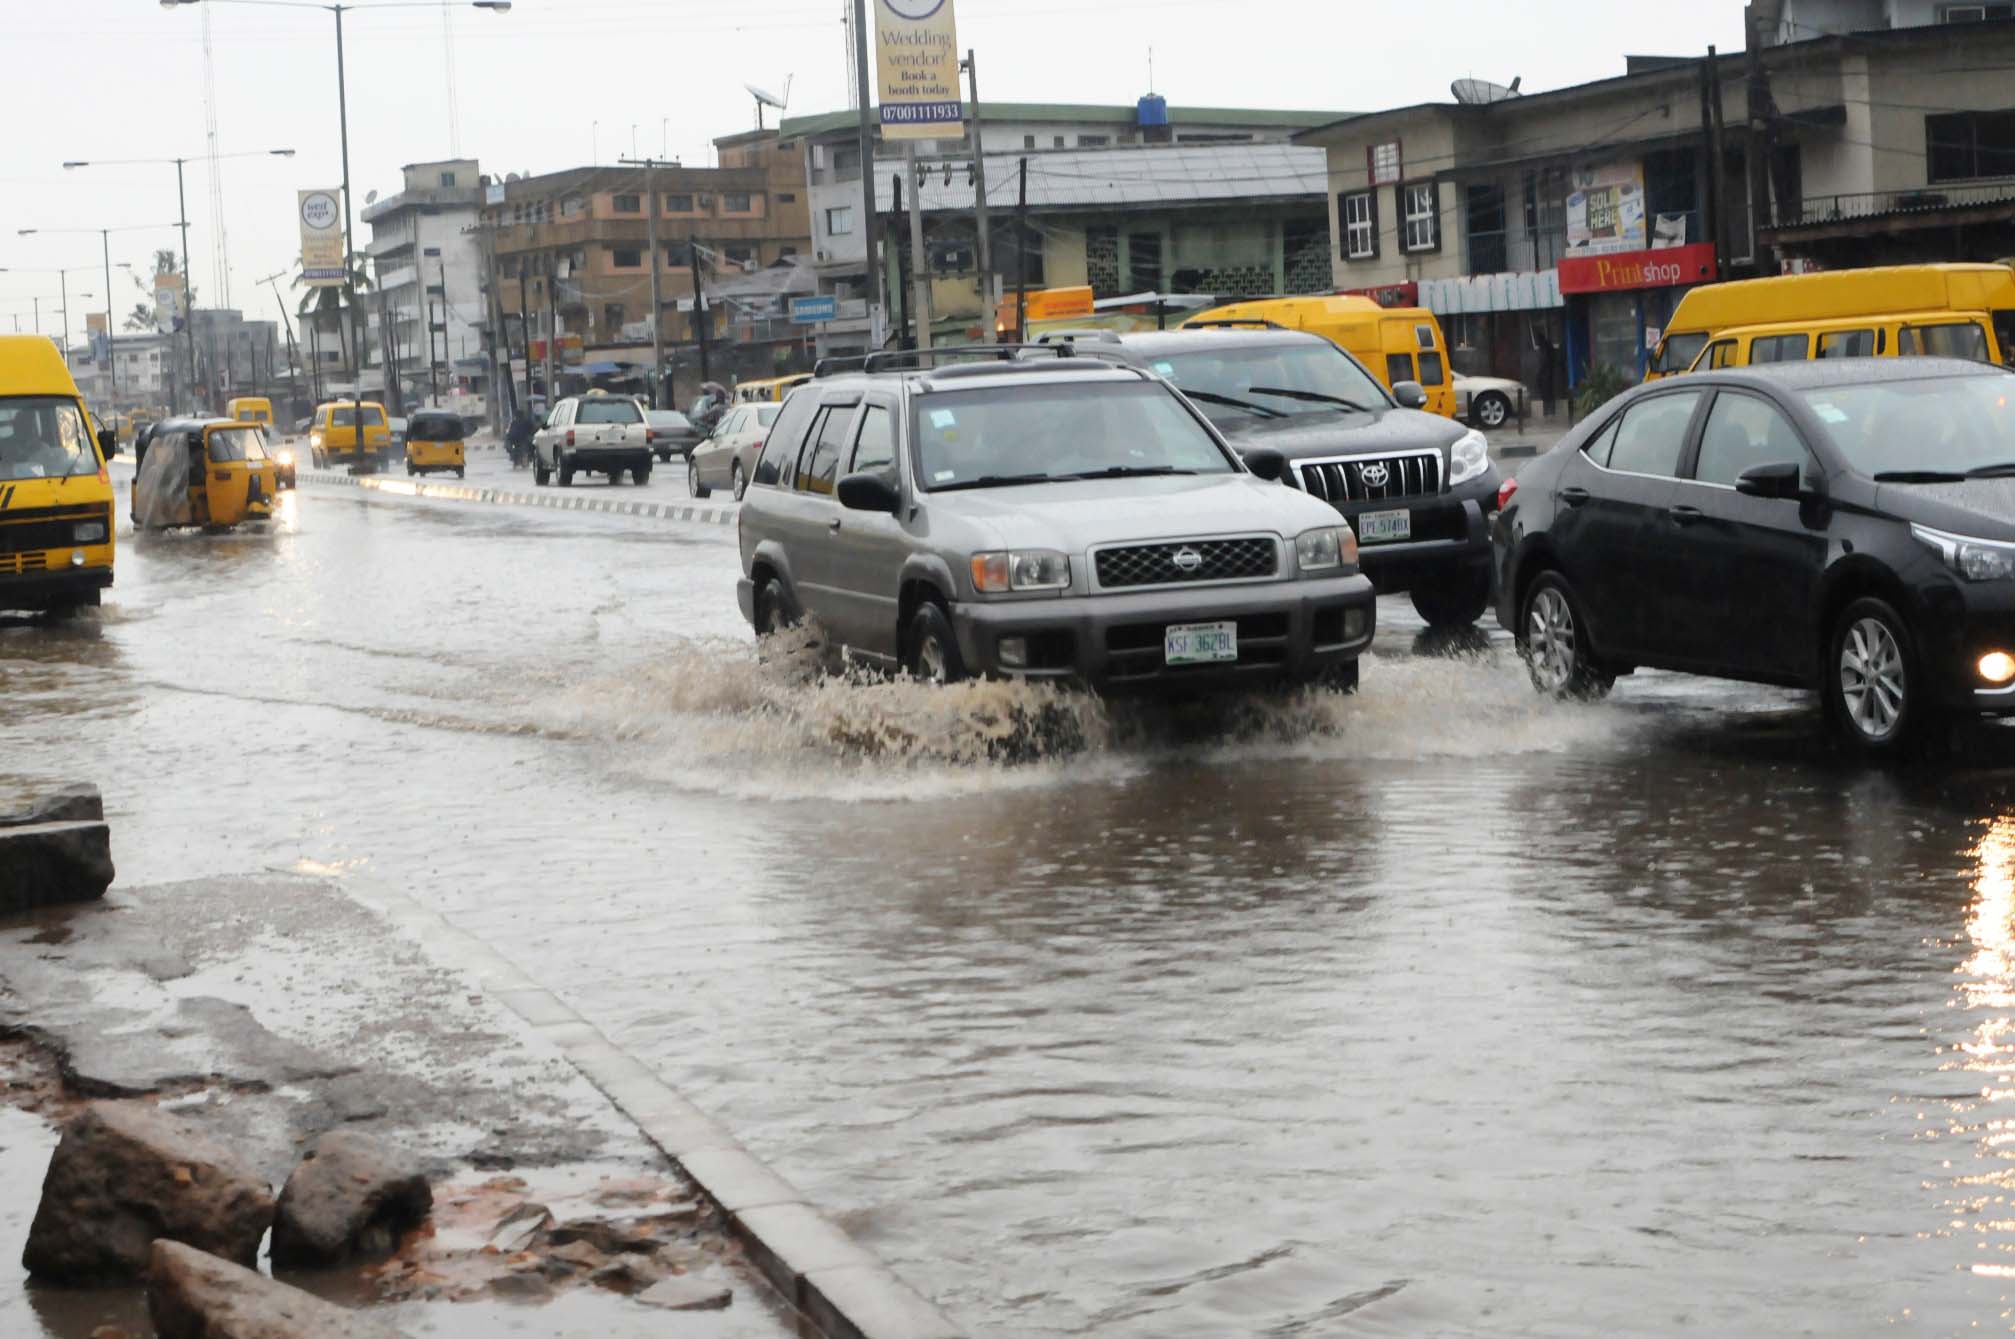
(686, 512)
(840, 1286)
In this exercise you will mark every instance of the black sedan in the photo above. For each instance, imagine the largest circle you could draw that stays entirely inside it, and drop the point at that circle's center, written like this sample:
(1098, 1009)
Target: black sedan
(1846, 526)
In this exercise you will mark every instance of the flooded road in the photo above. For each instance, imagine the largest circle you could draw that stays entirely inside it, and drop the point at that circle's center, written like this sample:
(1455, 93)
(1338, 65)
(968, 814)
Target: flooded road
(1436, 1010)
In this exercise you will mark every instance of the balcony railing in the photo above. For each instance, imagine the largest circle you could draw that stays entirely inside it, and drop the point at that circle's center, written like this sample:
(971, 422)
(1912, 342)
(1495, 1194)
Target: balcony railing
(1820, 209)
(1516, 250)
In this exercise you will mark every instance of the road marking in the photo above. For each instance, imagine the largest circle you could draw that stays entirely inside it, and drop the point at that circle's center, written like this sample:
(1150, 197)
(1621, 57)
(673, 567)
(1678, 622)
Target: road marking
(666, 511)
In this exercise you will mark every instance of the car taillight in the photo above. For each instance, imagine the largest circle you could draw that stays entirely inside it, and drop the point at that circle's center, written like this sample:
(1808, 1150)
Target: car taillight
(1505, 491)
(759, 443)
(649, 436)
(570, 436)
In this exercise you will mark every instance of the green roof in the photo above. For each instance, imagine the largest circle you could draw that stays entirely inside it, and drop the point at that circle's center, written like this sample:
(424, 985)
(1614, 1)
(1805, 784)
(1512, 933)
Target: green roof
(795, 127)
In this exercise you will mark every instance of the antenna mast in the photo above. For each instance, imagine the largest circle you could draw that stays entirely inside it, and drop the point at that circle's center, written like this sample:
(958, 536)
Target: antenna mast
(219, 248)
(454, 111)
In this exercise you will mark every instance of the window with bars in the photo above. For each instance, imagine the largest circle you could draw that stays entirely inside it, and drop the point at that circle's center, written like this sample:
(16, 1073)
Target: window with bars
(1359, 213)
(629, 204)
(1422, 217)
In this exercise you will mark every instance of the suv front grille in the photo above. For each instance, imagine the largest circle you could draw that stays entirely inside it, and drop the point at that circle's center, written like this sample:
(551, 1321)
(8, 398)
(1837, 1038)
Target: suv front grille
(1187, 561)
(1372, 478)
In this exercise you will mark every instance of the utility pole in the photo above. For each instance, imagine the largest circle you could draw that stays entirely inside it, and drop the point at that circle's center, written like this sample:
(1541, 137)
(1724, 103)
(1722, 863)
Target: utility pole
(984, 254)
(111, 352)
(1021, 258)
(873, 281)
(188, 287)
(701, 317)
(356, 341)
(552, 330)
(650, 166)
(1761, 154)
(920, 261)
(1710, 115)
(900, 269)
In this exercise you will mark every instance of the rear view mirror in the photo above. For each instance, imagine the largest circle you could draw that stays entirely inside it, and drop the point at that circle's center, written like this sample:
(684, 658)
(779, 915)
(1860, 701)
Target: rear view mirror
(1266, 463)
(1409, 394)
(108, 442)
(1780, 480)
(869, 491)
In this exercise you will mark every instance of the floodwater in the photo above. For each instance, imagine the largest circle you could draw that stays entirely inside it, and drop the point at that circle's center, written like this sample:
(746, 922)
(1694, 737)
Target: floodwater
(1439, 1009)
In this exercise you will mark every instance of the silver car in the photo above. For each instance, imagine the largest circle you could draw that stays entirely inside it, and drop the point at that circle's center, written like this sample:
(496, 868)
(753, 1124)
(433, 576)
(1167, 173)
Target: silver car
(1058, 519)
(728, 458)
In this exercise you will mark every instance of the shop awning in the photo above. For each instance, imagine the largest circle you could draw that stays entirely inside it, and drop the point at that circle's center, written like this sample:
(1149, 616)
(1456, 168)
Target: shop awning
(1477, 293)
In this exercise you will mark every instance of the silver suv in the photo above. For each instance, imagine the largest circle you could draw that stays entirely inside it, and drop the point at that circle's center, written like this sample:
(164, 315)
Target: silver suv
(1059, 518)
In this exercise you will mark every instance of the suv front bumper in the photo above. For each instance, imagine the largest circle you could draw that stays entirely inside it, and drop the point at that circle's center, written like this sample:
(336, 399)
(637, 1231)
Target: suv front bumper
(1291, 631)
(1454, 537)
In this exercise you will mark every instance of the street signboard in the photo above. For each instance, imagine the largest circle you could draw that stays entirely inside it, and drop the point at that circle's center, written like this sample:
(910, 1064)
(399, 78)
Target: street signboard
(917, 61)
(814, 311)
(321, 238)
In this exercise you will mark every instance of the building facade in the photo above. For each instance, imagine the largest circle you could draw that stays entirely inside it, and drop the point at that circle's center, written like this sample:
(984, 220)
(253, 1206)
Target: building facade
(428, 308)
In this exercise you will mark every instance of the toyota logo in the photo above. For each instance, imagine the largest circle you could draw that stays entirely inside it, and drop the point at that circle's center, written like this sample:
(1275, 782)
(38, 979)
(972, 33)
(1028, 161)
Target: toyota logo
(1374, 475)
(1187, 561)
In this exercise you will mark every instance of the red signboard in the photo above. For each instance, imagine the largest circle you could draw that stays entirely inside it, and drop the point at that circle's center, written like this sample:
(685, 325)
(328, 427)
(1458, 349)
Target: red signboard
(1665, 267)
(1387, 295)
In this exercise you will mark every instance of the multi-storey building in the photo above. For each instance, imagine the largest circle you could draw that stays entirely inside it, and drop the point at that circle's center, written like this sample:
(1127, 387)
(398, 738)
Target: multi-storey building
(428, 307)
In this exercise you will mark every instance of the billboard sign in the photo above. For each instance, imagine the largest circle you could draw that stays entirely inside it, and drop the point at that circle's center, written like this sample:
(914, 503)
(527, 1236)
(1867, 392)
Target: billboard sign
(812, 311)
(1660, 267)
(1605, 210)
(917, 69)
(321, 238)
(167, 303)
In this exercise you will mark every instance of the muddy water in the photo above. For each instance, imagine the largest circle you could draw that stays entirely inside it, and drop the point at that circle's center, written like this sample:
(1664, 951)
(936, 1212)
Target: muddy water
(1436, 1010)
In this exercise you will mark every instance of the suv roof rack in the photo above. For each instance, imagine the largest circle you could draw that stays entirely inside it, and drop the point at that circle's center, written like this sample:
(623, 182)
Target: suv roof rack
(915, 360)
(1230, 322)
(1097, 335)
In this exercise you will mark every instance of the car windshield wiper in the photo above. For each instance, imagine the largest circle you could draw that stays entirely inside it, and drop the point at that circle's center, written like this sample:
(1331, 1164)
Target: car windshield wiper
(2002, 470)
(1314, 397)
(997, 481)
(1126, 472)
(1212, 397)
(1918, 477)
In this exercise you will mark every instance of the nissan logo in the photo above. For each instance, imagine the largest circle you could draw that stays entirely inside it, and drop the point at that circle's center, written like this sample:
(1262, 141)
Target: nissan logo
(1186, 560)
(1374, 475)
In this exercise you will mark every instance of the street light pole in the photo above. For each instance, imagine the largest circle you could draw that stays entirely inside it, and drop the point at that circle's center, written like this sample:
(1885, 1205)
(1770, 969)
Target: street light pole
(650, 166)
(349, 251)
(188, 288)
(111, 352)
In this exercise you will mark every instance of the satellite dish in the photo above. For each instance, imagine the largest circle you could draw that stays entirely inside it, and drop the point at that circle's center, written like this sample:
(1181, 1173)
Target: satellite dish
(370, 197)
(1481, 92)
(510, 176)
(765, 98)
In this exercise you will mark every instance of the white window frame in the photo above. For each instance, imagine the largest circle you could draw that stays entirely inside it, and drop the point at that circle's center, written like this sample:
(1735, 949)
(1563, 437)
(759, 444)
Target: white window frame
(1420, 217)
(1360, 226)
(840, 214)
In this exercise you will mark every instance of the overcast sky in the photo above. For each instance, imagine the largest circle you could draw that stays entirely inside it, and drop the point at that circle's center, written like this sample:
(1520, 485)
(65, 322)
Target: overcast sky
(115, 79)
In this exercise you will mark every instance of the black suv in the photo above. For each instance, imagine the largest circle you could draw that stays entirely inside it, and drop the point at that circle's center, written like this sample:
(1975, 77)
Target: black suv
(1419, 489)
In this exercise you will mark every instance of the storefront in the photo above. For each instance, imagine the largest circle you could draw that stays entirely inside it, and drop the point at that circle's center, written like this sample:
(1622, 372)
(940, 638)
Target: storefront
(1618, 304)
(1502, 325)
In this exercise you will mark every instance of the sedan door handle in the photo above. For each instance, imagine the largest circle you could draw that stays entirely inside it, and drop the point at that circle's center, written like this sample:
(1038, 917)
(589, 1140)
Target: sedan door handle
(1686, 515)
(1574, 497)
(833, 524)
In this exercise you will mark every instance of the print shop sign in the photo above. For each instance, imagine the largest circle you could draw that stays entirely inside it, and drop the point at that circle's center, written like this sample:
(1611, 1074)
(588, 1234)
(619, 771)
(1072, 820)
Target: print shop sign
(917, 63)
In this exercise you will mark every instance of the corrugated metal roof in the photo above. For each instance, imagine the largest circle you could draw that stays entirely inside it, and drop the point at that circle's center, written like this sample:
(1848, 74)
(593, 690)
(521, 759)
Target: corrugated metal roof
(1103, 178)
(793, 127)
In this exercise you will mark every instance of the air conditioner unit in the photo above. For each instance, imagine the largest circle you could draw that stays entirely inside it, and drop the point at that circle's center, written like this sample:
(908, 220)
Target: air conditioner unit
(822, 256)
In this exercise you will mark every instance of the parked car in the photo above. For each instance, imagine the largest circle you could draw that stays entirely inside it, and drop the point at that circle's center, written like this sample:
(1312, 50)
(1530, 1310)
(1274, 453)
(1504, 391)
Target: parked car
(1418, 488)
(594, 433)
(1069, 519)
(1843, 526)
(1489, 402)
(672, 433)
(728, 458)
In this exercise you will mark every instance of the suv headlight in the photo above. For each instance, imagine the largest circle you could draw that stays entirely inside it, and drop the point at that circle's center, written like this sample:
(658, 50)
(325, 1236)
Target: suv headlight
(1020, 569)
(1325, 550)
(1469, 457)
(1973, 559)
(88, 532)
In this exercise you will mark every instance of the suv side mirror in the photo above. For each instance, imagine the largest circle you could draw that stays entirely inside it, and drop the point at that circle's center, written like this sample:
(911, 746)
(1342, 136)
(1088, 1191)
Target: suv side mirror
(869, 491)
(108, 442)
(1409, 394)
(1266, 463)
(1779, 480)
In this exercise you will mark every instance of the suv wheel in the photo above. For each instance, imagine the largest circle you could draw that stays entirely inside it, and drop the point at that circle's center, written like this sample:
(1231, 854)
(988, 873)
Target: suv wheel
(934, 651)
(1872, 684)
(1489, 410)
(740, 481)
(641, 475)
(1456, 604)
(1554, 643)
(693, 484)
(541, 476)
(564, 468)
(773, 608)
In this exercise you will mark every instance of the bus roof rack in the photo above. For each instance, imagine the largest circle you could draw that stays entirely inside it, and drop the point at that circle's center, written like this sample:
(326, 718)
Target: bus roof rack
(917, 360)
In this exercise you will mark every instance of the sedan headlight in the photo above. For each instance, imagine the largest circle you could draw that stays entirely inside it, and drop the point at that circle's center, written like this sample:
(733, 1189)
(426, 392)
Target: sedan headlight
(285, 455)
(1326, 550)
(1020, 569)
(1973, 559)
(88, 532)
(1469, 457)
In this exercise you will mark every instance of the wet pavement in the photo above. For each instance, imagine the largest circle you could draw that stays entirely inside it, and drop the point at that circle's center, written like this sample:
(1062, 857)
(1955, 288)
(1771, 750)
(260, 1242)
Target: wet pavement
(1439, 1009)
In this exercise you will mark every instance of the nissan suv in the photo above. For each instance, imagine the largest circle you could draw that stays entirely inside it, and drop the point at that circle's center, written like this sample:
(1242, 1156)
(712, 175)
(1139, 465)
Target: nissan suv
(1419, 489)
(1063, 518)
(596, 433)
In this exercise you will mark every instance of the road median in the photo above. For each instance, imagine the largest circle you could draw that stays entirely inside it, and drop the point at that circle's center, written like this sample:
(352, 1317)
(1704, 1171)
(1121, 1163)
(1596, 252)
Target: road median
(686, 512)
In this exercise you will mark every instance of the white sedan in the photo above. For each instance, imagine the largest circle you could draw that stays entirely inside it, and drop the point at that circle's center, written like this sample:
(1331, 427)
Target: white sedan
(1489, 402)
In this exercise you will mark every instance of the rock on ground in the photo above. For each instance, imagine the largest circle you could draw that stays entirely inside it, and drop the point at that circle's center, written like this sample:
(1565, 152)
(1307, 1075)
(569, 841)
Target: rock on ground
(125, 1174)
(58, 851)
(351, 1198)
(191, 1295)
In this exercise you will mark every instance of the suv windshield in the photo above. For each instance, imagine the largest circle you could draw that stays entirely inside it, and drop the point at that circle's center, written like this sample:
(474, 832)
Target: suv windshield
(1041, 433)
(43, 437)
(1236, 386)
(608, 411)
(1939, 425)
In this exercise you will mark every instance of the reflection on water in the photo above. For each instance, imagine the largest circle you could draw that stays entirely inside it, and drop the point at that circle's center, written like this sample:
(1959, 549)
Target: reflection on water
(1978, 1191)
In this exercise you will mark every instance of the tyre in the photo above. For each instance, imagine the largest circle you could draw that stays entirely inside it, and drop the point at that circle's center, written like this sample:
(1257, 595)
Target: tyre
(1492, 409)
(541, 476)
(693, 484)
(1553, 640)
(409, 469)
(1875, 691)
(641, 475)
(1457, 603)
(773, 608)
(564, 469)
(933, 650)
(741, 484)
(615, 477)
(662, 456)
(461, 472)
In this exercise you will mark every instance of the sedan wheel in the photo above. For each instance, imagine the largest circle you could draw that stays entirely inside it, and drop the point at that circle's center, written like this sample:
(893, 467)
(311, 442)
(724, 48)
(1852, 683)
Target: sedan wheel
(1873, 689)
(693, 485)
(1490, 410)
(1555, 648)
(741, 481)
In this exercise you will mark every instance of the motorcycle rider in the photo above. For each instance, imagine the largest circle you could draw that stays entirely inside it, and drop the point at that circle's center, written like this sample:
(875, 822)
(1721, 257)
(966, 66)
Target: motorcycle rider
(518, 438)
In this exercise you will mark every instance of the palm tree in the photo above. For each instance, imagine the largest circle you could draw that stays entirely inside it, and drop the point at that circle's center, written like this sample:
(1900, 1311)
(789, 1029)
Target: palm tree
(324, 307)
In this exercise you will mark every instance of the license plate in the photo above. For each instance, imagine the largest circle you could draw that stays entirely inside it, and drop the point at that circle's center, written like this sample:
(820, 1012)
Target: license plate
(1382, 527)
(1200, 643)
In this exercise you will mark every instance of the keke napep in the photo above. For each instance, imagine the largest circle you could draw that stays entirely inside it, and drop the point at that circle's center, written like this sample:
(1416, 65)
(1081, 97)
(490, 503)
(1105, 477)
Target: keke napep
(56, 534)
(209, 472)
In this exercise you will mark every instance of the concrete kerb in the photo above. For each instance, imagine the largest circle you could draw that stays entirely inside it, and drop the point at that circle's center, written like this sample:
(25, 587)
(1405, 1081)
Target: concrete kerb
(559, 501)
(837, 1284)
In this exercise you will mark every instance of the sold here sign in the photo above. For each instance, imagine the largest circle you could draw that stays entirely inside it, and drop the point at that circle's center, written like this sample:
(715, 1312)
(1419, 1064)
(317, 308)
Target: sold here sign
(1662, 267)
